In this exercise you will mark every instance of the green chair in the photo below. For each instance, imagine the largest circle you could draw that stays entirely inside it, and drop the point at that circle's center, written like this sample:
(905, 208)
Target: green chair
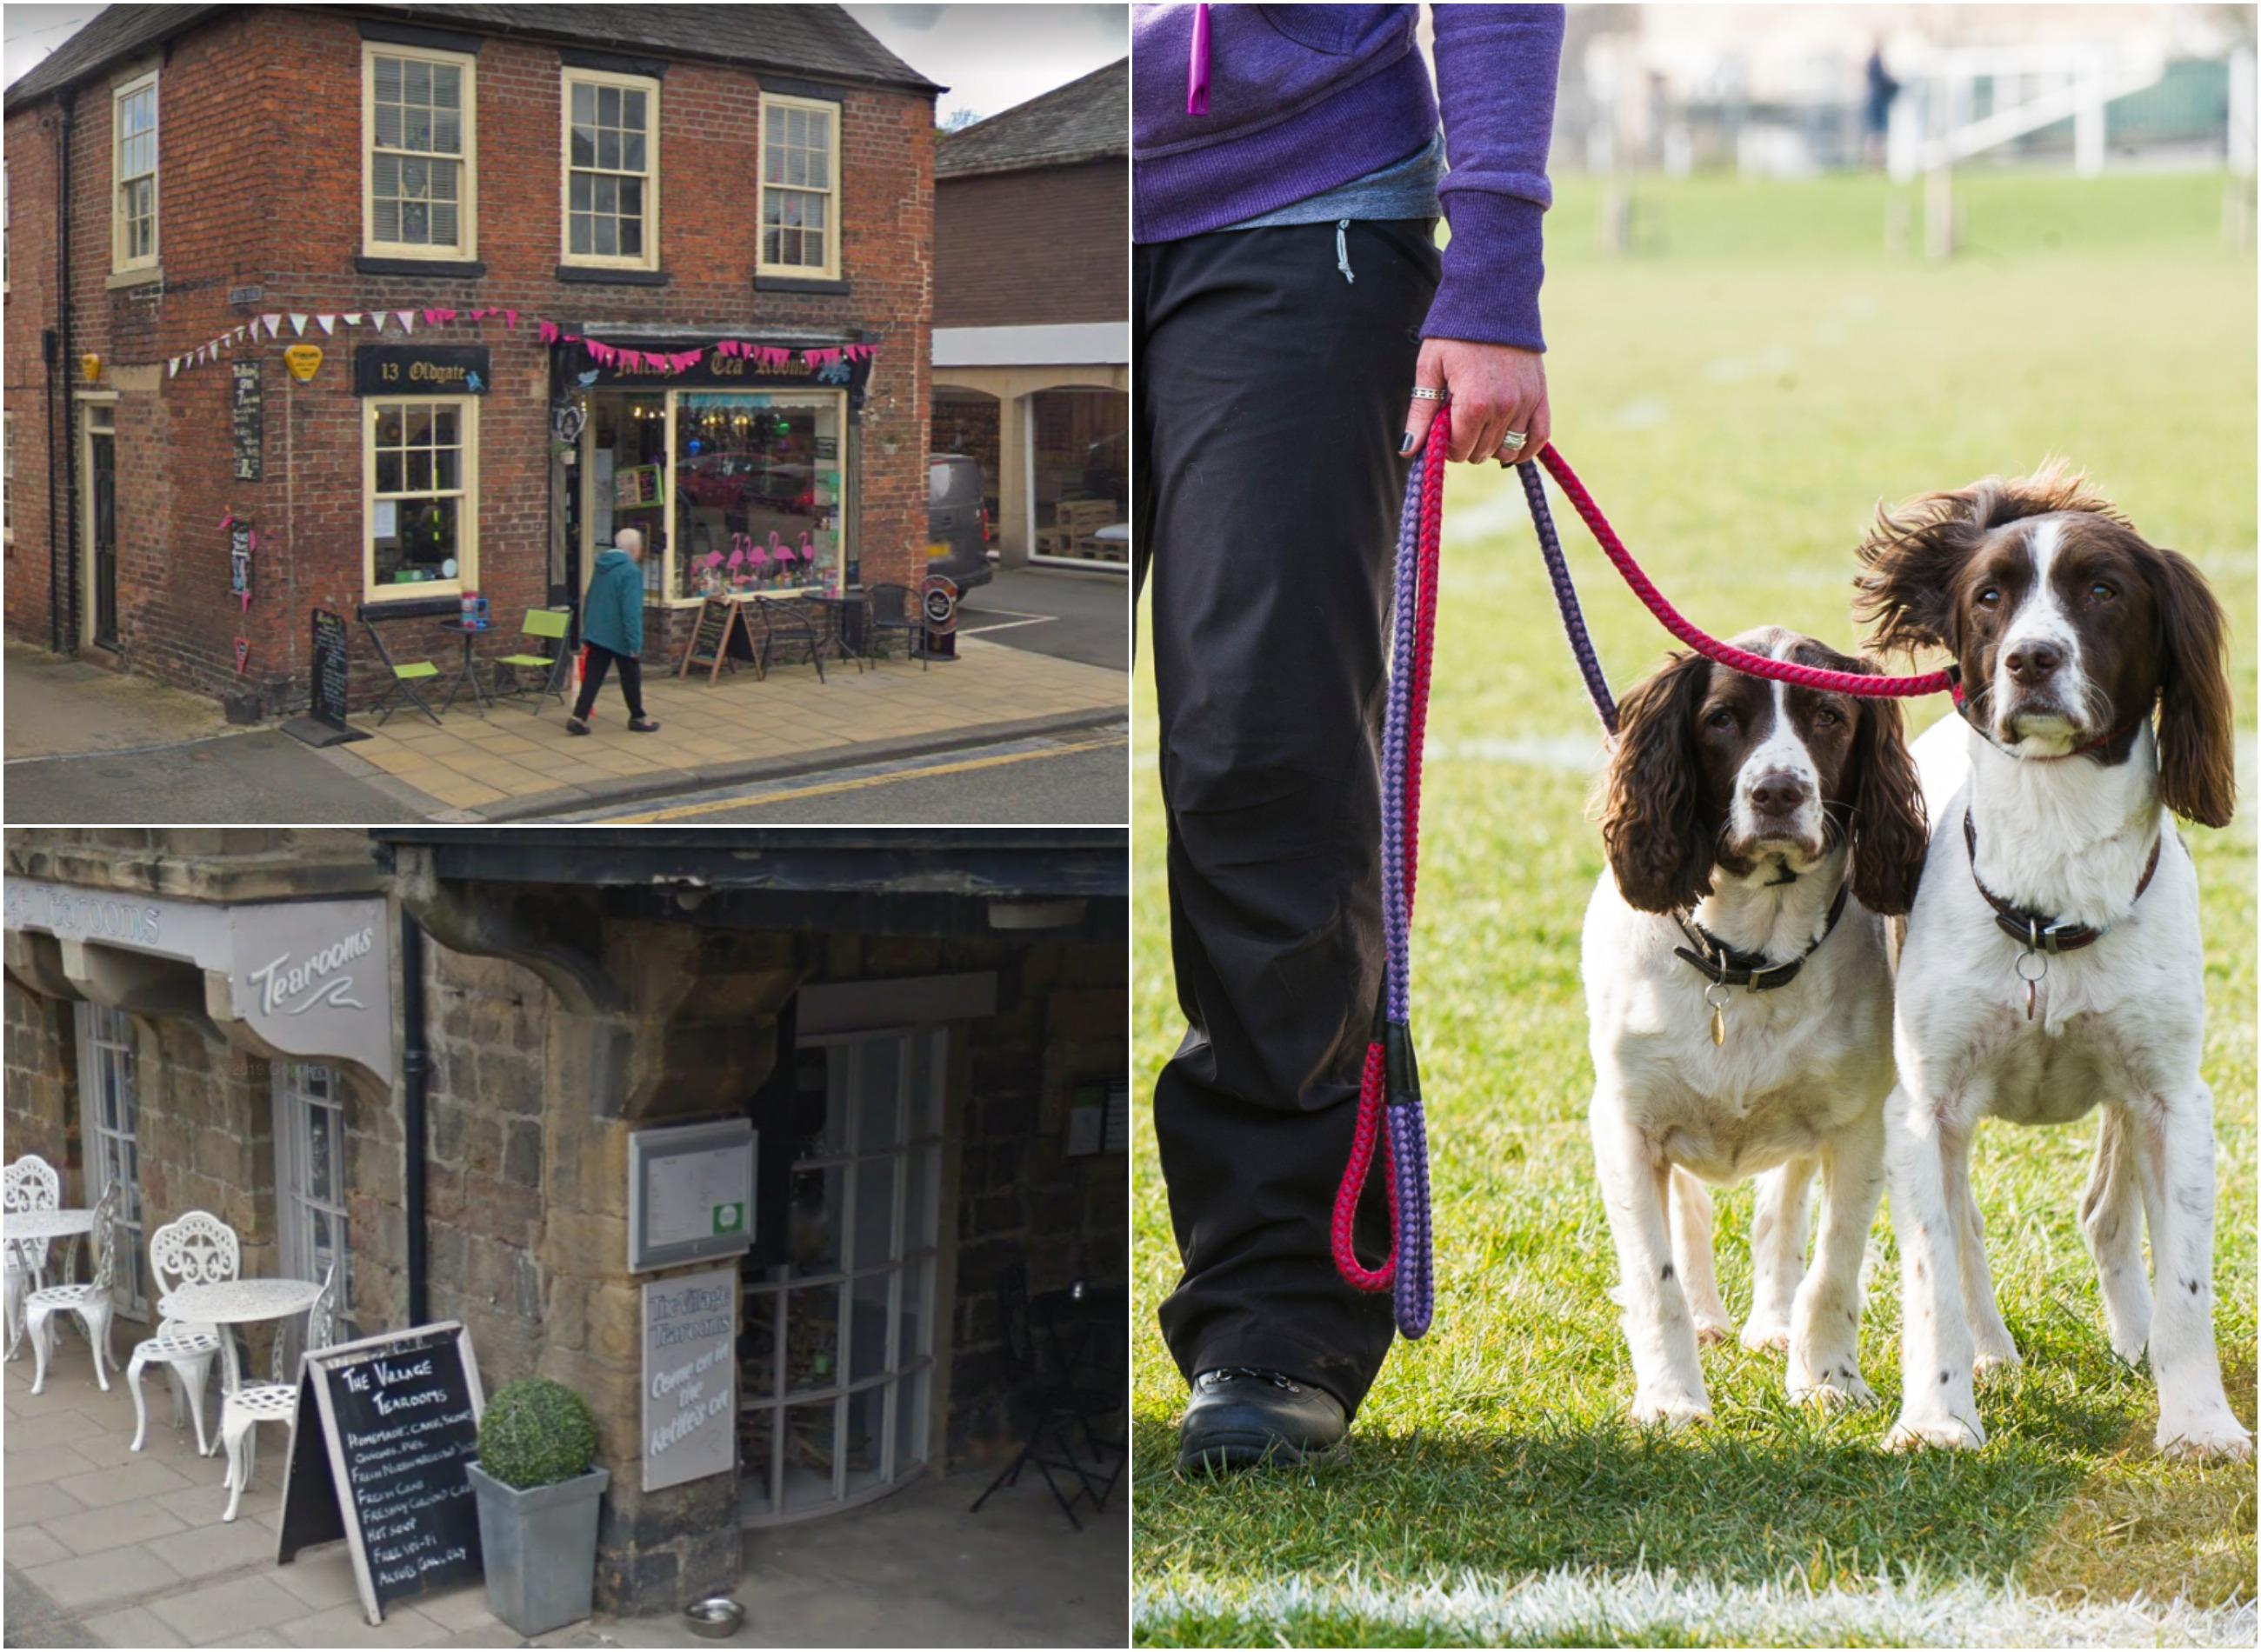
(401, 679)
(550, 625)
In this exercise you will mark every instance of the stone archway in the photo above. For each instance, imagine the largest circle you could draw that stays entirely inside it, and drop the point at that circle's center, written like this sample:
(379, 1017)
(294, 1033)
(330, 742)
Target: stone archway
(1015, 390)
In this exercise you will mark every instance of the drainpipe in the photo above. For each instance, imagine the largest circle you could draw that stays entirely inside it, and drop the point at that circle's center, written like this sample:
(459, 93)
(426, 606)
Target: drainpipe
(416, 1073)
(62, 594)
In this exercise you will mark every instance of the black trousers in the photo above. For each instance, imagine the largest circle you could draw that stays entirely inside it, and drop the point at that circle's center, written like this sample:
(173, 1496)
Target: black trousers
(1271, 395)
(598, 660)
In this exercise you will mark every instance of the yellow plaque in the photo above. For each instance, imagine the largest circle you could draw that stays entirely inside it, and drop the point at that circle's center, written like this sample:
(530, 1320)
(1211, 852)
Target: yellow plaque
(90, 364)
(303, 360)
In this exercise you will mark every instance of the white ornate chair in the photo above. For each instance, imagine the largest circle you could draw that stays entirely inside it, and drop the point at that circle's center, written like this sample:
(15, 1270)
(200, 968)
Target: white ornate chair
(32, 1184)
(252, 1404)
(198, 1249)
(91, 1302)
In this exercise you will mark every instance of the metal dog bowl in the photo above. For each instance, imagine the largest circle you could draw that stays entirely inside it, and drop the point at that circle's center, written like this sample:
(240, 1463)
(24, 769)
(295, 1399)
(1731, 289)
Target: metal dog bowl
(718, 1617)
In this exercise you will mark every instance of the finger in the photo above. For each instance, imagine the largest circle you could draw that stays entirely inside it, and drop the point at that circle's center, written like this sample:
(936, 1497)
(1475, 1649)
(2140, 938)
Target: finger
(1476, 439)
(1541, 431)
(1520, 421)
(1419, 416)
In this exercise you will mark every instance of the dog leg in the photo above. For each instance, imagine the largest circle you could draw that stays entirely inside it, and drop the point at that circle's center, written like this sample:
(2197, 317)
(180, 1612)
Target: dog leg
(2174, 1151)
(1937, 1405)
(1991, 1342)
(1692, 1254)
(2111, 1223)
(1660, 1333)
(1777, 1253)
(1824, 1322)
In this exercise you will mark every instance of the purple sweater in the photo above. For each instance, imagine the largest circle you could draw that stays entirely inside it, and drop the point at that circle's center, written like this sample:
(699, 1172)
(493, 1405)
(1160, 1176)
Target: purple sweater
(1302, 98)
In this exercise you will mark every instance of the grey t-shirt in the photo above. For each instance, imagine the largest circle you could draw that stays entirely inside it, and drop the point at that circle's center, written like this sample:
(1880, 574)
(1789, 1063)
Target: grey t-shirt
(1404, 189)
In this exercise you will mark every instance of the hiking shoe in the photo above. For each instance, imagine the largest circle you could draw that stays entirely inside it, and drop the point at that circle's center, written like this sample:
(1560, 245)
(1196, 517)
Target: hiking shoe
(574, 725)
(643, 725)
(1240, 1418)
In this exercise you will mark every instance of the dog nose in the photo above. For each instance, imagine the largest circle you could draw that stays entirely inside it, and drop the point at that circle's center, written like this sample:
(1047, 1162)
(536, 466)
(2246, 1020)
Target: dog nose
(2035, 662)
(1780, 793)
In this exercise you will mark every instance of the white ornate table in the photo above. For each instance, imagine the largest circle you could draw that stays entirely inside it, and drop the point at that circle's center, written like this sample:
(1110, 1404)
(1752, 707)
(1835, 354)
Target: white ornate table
(238, 1301)
(33, 1227)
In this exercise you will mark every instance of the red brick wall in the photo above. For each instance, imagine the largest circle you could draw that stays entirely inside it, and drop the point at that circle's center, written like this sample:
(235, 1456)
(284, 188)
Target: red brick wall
(1020, 249)
(265, 189)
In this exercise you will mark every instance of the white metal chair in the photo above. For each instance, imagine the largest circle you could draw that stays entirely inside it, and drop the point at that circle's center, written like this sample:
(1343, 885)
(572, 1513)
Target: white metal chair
(252, 1404)
(91, 1302)
(198, 1249)
(32, 1184)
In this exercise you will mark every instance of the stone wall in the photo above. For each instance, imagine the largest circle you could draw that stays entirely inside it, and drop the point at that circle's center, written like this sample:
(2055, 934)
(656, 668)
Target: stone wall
(41, 1102)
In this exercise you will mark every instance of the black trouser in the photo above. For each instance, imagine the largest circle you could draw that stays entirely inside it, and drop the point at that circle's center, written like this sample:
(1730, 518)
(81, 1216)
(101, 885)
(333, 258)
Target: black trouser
(1271, 395)
(594, 664)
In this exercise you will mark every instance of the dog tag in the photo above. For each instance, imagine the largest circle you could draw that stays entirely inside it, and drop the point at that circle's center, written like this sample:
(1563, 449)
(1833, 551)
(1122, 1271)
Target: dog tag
(1718, 1007)
(2033, 981)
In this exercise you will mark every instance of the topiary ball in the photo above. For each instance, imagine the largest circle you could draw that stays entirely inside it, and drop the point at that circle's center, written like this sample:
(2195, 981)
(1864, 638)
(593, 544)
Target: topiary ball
(536, 1432)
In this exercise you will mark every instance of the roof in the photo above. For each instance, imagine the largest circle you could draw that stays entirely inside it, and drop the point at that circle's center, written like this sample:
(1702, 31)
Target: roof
(1086, 119)
(821, 40)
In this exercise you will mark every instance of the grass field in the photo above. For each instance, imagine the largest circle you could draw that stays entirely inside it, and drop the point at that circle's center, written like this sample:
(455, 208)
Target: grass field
(1738, 402)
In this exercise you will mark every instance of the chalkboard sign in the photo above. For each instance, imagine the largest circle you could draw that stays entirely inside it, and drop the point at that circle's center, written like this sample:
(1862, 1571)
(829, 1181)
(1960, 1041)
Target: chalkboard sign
(249, 410)
(325, 722)
(384, 1428)
(719, 637)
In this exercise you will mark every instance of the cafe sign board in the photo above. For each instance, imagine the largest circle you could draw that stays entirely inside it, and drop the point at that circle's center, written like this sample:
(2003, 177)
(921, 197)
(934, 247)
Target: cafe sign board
(422, 369)
(691, 1194)
(690, 1376)
(717, 371)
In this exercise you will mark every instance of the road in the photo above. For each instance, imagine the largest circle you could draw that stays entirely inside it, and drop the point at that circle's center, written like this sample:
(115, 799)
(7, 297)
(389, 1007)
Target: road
(1068, 615)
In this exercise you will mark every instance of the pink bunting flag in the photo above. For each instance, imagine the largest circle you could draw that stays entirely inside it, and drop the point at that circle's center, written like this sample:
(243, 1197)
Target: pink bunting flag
(226, 520)
(510, 318)
(547, 332)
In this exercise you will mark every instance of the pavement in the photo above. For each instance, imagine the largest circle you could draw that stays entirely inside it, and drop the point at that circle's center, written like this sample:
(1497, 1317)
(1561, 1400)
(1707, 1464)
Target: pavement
(105, 1547)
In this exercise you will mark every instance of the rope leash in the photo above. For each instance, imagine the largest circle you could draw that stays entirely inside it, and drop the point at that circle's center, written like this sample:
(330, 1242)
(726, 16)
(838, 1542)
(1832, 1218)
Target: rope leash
(1390, 1118)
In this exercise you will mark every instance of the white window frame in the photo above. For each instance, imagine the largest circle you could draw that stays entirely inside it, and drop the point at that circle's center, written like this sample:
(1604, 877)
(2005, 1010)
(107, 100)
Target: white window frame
(649, 85)
(830, 269)
(106, 1050)
(300, 1107)
(467, 547)
(467, 202)
(122, 264)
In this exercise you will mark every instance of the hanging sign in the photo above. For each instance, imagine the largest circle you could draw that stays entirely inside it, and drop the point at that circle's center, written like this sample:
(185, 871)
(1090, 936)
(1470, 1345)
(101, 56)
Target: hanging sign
(431, 369)
(690, 1377)
(240, 544)
(247, 407)
(303, 360)
(384, 1428)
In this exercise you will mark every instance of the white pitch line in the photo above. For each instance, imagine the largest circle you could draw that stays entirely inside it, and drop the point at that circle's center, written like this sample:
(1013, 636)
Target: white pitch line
(1010, 625)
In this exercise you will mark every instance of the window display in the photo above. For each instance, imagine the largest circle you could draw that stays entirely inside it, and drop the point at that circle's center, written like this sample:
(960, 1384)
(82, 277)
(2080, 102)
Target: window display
(757, 493)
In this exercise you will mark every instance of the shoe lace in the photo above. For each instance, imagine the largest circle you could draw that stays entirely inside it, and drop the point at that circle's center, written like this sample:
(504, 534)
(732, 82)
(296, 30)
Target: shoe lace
(1237, 1373)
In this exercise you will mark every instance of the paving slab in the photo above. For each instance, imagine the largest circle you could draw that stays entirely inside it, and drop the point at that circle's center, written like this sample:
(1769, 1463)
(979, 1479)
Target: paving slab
(101, 1580)
(134, 1626)
(102, 1528)
(226, 1611)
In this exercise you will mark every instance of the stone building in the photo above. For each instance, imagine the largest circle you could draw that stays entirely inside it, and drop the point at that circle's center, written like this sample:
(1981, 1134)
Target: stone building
(430, 1056)
(1031, 351)
(569, 269)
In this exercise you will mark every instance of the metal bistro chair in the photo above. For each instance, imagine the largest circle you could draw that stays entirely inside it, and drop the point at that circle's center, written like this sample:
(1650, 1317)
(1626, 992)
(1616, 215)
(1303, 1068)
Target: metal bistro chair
(91, 1302)
(198, 1249)
(1074, 1381)
(788, 624)
(549, 625)
(893, 608)
(252, 1404)
(31, 1185)
(401, 680)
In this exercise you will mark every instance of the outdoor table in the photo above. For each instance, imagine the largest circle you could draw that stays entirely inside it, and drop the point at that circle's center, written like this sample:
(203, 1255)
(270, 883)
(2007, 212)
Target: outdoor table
(237, 1302)
(468, 629)
(33, 1226)
(836, 611)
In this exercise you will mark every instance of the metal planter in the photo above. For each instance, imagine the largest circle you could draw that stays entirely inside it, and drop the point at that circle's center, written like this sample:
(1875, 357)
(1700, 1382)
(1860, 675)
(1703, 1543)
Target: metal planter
(540, 1548)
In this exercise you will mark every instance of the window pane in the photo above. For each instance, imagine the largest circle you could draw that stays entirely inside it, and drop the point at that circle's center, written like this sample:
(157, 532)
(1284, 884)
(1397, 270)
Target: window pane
(415, 179)
(384, 176)
(585, 103)
(416, 129)
(418, 424)
(867, 1326)
(388, 80)
(416, 222)
(584, 148)
(609, 150)
(443, 175)
(772, 249)
(609, 237)
(582, 230)
(416, 82)
(631, 193)
(448, 131)
(443, 224)
(388, 426)
(812, 1229)
(865, 1445)
(632, 111)
(419, 470)
(812, 1337)
(631, 238)
(583, 192)
(445, 420)
(608, 105)
(810, 1445)
(388, 125)
(447, 468)
(608, 195)
(875, 1211)
(632, 152)
(448, 86)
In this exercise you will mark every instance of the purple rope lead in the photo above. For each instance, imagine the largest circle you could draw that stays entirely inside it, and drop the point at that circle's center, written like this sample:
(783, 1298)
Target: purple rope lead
(1565, 595)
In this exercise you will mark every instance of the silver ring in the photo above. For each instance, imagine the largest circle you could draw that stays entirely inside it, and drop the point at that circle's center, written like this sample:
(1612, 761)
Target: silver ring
(1422, 392)
(1516, 439)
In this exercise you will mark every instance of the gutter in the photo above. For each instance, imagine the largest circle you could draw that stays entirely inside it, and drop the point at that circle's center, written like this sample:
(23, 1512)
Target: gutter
(62, 594)
(415, 1079)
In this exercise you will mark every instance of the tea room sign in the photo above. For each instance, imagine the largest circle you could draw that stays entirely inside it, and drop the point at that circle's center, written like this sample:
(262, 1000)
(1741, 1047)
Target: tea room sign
(690, 1376)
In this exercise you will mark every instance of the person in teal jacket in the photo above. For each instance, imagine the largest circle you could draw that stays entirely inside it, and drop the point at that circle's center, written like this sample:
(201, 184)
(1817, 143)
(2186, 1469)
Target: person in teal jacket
(611, 631)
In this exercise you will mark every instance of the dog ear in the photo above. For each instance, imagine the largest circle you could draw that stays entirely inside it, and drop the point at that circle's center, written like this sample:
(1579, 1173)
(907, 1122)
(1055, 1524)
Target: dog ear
(1651, 807)
(2197, 772)
(1890, 832)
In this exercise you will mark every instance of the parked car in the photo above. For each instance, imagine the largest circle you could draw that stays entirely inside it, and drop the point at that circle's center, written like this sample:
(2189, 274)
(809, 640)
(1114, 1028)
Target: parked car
(957, 529)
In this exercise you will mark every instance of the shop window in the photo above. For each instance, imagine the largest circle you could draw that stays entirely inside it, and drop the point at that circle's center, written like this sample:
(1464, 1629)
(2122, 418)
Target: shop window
(420, 114)
(110, 1109)
(310, 1179)
(422, 478)
(134, 161)
(627, 479)
(757, 492)
(612, 170)
(801, 188)
(838, 1347)
(1080, 478)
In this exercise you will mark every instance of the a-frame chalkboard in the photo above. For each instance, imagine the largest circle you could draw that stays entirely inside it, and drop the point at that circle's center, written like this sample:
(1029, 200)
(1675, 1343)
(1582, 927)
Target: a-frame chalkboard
(384, 1428)
(719, 637)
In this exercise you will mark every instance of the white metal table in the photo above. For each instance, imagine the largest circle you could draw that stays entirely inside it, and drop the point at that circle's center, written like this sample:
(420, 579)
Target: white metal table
(238, 1301)
(33, 1227)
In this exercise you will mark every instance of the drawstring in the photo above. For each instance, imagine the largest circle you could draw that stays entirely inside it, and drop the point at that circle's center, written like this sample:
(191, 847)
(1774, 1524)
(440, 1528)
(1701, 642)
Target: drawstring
(1197, 65)
(1342, 248)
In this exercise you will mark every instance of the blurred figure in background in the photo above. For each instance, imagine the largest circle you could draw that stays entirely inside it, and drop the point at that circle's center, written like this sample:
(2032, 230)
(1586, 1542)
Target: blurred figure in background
(1877, 109)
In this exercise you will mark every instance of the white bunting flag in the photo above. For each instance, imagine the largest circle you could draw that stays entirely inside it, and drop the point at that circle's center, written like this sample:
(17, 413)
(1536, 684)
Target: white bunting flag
(274, 324)
(173, 368)
(353, 317)
(328, 324)
(407, 319)
(298, 324)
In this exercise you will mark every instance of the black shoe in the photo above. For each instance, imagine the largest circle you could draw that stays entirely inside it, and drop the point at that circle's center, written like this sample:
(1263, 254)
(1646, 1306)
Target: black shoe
(574, 725)
(1243, 1418)
(643, 725)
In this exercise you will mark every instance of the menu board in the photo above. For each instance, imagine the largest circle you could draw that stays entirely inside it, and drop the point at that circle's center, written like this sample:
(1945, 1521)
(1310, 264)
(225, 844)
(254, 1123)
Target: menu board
(384, 1428)
(329, 680)
(719, 637)
(248, 408)
(690, 1377)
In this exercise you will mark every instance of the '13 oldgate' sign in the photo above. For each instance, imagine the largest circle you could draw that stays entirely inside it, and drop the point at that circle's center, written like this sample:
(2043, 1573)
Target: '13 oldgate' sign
(430, 369)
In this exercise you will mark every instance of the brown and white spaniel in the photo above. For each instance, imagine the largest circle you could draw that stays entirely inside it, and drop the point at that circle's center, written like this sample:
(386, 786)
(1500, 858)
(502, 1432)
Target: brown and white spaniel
(2052, 962)
(1739, 1005)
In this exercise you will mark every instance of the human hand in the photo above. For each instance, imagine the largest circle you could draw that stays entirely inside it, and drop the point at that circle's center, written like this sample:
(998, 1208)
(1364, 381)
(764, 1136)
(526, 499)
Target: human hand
(1495, 389)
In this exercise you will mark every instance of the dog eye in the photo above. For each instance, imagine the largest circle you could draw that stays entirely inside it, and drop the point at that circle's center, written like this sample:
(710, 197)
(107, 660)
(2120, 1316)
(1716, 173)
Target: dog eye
(2102, 592)
(1990, 596)
(1825, 718)
(1722, 718)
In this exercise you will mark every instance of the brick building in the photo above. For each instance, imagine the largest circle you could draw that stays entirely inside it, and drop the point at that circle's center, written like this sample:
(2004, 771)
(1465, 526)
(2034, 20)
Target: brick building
(724, 215)
(919, 1027)
(1031, 349)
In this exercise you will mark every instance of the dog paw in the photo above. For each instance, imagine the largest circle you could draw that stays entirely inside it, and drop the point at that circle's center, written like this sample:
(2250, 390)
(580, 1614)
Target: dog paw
(1944, 1433)
(1835, 1385)
(2216, 1438)
(1759, 1335)
(1673, 1411)
(1710, 1334)
(1987, 1363)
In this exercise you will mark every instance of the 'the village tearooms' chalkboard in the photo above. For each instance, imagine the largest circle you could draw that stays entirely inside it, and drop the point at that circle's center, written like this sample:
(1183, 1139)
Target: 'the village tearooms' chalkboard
(384, 1428)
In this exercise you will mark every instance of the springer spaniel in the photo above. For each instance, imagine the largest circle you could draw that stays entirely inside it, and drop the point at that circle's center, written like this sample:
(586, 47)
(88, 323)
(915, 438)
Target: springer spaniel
(2052, 961)
(1740, 1005)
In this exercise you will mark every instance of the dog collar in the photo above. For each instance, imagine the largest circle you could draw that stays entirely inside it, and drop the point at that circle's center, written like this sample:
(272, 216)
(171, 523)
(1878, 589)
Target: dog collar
(2033, 931)
(1724, 966)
